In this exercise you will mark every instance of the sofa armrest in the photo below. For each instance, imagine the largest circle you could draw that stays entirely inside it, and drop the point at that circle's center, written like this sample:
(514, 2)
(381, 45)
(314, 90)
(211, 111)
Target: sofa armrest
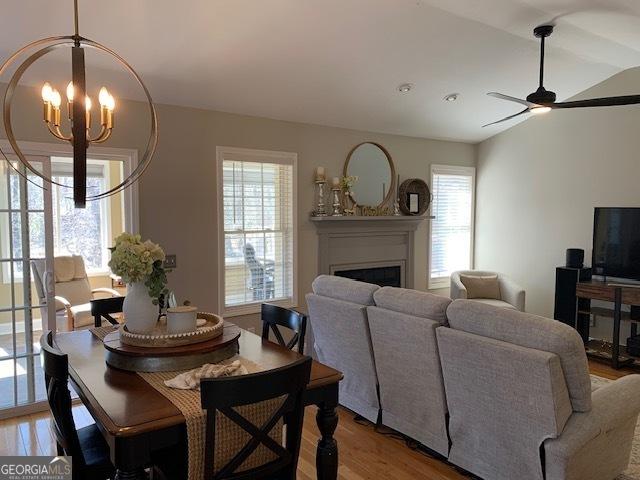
(512, 293)
(612, 406)
(457, 289)
(111, 291)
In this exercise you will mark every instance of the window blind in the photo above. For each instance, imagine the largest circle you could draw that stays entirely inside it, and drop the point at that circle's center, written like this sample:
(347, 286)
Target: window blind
(452, 228)
(258, 231)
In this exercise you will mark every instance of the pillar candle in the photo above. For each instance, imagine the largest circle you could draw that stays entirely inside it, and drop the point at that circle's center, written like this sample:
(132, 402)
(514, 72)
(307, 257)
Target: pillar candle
(336, 182)
(320, 174)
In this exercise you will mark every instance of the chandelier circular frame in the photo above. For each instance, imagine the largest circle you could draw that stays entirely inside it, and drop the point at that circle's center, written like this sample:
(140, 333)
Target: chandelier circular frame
(48, 45)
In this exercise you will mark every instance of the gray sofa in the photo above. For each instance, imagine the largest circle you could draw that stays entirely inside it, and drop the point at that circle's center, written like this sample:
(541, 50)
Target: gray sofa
(502, 394)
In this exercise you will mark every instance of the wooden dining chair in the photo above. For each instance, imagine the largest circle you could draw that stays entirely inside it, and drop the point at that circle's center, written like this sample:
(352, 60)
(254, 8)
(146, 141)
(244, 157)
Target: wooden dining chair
(224, 394)
(88, 450)
(274, 316)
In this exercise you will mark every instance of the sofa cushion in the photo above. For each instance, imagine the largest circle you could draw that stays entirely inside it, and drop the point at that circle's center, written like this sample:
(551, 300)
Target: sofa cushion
(345, 289)
(413, 302)
(494, 303)
(481, 286)
(529, 331)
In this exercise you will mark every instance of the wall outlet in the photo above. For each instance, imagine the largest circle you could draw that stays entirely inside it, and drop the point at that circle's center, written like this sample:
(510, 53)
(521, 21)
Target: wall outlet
(170, 261)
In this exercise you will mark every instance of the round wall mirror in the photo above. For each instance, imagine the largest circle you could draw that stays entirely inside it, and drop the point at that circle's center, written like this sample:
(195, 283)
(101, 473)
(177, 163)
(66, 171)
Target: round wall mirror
(373, 166)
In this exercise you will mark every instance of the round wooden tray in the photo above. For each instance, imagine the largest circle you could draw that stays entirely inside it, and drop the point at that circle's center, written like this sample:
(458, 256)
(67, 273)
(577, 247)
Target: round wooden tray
(160, 338)
(171, 358)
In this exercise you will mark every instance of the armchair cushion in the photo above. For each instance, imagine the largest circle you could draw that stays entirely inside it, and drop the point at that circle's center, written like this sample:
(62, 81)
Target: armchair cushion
(69, 268)
(82, 315)
(481, 286)
(76, 292)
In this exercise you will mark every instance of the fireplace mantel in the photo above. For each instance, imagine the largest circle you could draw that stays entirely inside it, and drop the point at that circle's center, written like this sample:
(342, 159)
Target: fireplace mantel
(357, 242)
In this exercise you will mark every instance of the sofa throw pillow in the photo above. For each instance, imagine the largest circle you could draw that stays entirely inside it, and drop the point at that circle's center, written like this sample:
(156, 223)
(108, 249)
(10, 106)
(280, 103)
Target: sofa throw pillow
(481, 286)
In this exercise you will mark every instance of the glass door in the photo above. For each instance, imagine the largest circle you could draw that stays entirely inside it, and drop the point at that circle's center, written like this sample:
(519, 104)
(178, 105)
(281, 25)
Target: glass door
(26, 234)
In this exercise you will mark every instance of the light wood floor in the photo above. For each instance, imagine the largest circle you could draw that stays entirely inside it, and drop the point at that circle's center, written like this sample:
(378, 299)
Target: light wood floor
(364, 454)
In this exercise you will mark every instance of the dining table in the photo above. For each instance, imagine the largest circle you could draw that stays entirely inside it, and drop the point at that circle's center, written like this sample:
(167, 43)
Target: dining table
(138, 422)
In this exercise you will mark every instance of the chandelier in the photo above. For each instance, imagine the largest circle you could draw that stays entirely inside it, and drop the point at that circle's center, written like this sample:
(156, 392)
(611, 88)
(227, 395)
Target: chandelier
(79, 112)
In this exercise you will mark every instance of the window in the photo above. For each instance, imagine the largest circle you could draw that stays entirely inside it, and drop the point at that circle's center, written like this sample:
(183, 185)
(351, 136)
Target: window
(452, 228)
(85, 232)
(78, 231)
(258, 228)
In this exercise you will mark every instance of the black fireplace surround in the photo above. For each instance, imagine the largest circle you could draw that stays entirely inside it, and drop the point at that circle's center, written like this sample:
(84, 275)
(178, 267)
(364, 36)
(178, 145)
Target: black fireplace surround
(382, 276)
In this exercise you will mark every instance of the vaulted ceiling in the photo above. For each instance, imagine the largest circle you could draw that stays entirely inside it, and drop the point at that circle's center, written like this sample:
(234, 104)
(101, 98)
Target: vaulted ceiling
(339, 62)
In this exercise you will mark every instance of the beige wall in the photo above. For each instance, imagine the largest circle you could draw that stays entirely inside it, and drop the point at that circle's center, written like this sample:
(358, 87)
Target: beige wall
(539, 182)
(178, 202)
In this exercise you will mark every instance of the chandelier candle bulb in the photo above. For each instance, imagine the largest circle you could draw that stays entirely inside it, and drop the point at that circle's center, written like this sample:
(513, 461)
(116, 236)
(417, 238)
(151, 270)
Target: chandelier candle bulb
(87, 106)
(70, 93)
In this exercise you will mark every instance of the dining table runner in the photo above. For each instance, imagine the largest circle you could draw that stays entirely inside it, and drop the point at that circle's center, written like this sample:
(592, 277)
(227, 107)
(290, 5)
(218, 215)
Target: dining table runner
(230, 438)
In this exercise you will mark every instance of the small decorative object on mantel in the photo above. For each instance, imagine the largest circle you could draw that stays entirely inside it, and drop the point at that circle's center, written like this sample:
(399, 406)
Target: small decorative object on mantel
(414, 197)
(320, 182)
(337, 203)
(350, 206)
(396, 200)
(140, 264)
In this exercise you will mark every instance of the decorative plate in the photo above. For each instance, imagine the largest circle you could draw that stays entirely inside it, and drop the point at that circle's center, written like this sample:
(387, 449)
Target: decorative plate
(160, 338)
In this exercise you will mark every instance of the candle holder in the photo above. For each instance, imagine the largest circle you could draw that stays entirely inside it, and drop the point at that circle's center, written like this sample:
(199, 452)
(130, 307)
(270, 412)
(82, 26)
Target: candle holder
(320, 211)
(337, 204)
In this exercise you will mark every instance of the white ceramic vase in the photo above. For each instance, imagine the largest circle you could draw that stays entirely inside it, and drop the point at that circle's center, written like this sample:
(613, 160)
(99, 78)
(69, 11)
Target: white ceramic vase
(140, 314)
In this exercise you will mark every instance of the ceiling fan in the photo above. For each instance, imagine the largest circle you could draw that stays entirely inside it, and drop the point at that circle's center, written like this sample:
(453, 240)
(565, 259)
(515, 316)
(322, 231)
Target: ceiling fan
(543, 100)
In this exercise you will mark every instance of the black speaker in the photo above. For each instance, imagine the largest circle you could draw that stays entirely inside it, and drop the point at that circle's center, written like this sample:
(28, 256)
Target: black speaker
(567, 305)
(575, 258)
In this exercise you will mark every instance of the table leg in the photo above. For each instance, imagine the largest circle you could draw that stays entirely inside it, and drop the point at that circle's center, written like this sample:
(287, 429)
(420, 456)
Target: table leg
(136, 474)
(327, 451)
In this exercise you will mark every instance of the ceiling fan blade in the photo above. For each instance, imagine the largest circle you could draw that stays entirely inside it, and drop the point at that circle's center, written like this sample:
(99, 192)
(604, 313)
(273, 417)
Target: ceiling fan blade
(509, 98)
(599, 102)
(507, 118)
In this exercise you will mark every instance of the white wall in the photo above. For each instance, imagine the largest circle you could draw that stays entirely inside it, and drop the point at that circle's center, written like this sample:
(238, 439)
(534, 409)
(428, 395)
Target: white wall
(538, 183)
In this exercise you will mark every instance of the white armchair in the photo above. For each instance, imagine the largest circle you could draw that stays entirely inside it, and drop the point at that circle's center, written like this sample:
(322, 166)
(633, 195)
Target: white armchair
(71, 287)
(512, 295)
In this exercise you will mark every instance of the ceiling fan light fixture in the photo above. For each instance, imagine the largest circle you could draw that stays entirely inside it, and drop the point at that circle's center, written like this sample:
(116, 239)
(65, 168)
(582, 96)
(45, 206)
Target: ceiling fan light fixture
(540, 110)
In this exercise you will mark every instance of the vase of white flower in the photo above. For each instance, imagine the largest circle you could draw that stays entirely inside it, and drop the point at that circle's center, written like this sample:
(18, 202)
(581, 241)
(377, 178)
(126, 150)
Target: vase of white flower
(140, 264)
(139, 311)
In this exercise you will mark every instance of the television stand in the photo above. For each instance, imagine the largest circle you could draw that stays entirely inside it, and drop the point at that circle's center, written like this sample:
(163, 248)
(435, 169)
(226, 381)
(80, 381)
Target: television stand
(619, 294)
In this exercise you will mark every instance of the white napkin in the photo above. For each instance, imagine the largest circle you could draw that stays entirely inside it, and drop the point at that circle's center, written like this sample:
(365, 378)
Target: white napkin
(191, 380)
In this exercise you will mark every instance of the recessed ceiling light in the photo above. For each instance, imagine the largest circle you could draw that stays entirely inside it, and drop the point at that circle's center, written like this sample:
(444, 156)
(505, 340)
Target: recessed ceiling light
(405, 87)
(452, 97)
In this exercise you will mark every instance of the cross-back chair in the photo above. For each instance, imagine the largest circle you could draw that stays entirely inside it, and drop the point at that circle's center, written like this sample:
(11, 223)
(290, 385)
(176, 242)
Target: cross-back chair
(87, 448)
(274, 316)
(224, 394)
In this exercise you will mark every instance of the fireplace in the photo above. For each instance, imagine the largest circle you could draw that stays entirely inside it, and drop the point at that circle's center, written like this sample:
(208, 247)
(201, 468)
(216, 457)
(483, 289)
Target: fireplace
(385, 276)
(377, 250)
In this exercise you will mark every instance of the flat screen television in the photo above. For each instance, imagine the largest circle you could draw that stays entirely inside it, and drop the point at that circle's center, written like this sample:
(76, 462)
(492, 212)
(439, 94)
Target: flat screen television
(616, 242)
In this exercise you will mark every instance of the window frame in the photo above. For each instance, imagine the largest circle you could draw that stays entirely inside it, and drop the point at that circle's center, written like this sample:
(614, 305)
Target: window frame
(437, 169)
(256, 156)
